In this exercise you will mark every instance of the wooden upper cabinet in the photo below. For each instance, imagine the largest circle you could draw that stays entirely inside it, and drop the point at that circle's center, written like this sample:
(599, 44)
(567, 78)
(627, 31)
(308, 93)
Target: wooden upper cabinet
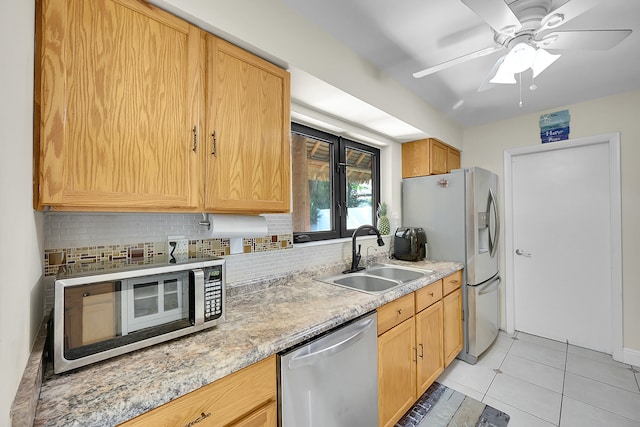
(116, 104)
(438, 157)
(248, 127)
(428, 157)
(453, 159)
(415, 158)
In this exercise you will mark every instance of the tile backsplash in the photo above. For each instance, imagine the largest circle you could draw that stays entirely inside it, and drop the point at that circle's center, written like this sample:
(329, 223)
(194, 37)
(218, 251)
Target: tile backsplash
(95, 237)
(72, 238)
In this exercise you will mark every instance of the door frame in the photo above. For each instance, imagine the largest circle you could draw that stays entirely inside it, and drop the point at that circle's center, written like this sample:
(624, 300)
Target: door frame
(613, 142)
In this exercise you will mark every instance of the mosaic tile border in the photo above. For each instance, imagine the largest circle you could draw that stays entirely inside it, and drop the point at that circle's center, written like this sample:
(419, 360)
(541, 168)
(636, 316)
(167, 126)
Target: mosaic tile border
(54, 258)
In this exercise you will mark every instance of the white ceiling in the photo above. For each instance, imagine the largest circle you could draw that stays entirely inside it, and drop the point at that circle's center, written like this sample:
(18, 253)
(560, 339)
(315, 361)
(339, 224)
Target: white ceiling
(401, 37)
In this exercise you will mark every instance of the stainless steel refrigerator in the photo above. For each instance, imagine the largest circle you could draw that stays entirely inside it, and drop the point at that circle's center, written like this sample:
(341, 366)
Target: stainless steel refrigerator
(459, 213)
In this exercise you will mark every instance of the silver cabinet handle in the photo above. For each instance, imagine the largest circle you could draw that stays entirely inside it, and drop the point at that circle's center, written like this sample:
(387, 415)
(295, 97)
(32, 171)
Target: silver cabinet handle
(523, 253)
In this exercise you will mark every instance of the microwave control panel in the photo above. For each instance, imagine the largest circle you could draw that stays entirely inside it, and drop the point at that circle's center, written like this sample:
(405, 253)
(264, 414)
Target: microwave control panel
(212, 293)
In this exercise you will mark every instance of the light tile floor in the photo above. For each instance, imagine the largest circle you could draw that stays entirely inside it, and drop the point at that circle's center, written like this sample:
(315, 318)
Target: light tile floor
(543, 383)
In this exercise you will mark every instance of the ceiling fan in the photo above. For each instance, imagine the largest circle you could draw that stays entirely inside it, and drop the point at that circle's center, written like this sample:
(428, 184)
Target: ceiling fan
(523, 28)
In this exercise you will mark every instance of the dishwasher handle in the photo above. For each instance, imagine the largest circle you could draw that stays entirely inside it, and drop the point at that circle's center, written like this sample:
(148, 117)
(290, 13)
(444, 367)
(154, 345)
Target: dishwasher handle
(307, 359)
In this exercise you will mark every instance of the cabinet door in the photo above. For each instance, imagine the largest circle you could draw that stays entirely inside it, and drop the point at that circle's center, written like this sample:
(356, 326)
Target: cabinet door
(429, 338)
(415, 158)
(247, 166)
(453, 159)
(117, 103)
(396, 372)
(438, 157)
(452, 309)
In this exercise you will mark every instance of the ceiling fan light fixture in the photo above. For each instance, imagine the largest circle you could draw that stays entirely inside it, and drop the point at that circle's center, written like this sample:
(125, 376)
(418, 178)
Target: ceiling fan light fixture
(542, 60)
(520, 58)
(503, 76)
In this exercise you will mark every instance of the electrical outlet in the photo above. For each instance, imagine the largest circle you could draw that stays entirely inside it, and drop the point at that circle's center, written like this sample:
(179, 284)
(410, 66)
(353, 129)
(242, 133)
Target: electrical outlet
(181, 246)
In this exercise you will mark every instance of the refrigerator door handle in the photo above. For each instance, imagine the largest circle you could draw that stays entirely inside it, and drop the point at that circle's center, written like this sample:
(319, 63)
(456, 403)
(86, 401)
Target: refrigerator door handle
(493, 242)
(490, 287)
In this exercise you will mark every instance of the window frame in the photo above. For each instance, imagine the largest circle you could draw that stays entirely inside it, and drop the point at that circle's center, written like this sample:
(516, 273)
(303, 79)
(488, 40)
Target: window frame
(339, 146)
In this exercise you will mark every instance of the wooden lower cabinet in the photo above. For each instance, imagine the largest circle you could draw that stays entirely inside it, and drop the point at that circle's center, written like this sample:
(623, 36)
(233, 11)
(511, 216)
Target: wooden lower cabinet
(452, 316)
(246, 398)
(262, 417)
(429, 339)
(396, 372)
(418, 335)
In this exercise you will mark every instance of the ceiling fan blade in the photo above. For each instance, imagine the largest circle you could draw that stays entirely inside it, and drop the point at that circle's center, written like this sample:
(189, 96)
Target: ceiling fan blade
(486, 84)
(456, 61)
(565, 13)
(496, 13)
(586, 39)
(542, 60)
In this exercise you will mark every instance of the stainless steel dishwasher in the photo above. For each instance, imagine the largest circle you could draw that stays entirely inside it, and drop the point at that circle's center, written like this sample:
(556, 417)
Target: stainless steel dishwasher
(332, 381)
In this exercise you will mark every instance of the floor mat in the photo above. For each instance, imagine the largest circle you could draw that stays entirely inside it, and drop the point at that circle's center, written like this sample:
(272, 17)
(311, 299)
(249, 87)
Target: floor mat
(441, 406)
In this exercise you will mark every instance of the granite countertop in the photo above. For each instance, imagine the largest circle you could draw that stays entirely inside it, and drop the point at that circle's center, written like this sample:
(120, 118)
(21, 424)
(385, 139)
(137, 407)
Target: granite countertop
(263, 318)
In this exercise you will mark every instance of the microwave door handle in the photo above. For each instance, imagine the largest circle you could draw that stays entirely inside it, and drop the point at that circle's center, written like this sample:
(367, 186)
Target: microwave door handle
(197, 287)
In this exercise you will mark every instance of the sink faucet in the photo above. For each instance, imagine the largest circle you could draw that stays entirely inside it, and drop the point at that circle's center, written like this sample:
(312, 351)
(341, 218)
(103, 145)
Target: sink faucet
(355, 256)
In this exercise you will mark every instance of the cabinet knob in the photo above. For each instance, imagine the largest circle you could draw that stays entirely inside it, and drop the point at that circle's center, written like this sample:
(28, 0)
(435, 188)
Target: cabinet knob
(431, 294)
(399, 311)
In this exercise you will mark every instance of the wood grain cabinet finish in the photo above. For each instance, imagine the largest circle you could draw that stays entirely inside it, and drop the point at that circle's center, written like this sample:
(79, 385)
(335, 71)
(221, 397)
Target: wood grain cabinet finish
(247, 122)
(246, 398)
(396, 372)
(123, 92)
(452, 282)
(452, 316)
(428, 157)
(418, 335)
(116, 101)
(429, 341)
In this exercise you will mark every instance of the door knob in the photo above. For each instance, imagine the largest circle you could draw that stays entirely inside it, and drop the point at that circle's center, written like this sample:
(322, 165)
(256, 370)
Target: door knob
(523, 253)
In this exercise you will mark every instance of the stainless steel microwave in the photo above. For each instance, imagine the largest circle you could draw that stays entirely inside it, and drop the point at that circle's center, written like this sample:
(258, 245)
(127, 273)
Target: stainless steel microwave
(105, 312)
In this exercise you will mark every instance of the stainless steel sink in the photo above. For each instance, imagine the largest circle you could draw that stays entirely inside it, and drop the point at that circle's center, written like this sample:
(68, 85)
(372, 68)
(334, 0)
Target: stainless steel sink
(393, 272)
(362, 282)
(377, 279)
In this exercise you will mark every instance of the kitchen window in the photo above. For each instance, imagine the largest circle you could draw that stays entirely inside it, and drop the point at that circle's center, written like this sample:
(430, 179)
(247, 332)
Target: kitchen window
(336, 184)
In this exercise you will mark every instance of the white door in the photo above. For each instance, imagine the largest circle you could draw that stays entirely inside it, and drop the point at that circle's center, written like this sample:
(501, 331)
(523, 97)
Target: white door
(561, 243)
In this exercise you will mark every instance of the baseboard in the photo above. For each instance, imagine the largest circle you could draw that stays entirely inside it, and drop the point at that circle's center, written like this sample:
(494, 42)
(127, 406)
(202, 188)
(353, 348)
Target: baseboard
(631, 357)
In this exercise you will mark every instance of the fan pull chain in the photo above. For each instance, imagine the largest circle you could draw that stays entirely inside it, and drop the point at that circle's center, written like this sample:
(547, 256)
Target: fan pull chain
(520, 78)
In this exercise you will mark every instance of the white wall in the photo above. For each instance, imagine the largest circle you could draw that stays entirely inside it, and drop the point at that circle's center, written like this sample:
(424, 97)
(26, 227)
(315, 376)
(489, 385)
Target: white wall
(20, 227)
(484, 146)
